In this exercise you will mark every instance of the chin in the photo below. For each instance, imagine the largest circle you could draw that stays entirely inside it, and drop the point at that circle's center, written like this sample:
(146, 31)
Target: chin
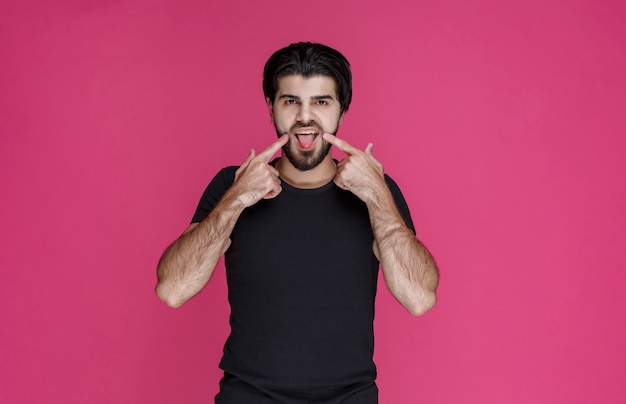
(306, 160)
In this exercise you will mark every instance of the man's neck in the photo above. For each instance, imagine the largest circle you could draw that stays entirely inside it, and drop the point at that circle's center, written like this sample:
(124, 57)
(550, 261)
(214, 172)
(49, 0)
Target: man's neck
(314, 178)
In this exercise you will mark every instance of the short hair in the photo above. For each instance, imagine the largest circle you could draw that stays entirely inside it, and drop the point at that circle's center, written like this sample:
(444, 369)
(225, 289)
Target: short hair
(309, 60)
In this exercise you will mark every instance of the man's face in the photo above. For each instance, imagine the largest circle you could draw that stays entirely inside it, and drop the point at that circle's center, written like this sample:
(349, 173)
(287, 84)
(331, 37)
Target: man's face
(305, 108)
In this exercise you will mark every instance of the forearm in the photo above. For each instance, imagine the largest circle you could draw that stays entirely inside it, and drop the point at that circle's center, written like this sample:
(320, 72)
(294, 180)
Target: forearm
(408, 268)
(187, 265)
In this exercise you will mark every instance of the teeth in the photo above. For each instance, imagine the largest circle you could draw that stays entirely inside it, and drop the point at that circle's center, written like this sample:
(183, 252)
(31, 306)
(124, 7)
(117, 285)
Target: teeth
(307, 132)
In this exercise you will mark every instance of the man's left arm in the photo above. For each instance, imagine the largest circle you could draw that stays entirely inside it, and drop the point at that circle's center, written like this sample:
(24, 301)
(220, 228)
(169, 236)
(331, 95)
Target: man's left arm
(408, 268)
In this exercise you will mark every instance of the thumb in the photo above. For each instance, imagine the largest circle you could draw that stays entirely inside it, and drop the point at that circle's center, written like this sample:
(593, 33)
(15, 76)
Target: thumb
(244, 164)
(368, 149)
(250, 157)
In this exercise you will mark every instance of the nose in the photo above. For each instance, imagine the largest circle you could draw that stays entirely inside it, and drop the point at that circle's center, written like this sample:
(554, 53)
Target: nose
(304, 113)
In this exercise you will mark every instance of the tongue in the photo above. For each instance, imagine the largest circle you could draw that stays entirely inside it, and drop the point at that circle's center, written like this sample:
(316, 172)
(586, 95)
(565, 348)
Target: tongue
(306, 140)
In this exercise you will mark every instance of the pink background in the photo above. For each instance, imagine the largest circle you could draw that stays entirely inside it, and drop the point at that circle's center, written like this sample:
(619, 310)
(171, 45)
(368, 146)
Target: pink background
(502, 121)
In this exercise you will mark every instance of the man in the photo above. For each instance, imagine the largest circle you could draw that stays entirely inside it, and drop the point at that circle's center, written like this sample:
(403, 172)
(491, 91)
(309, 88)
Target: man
(303, 237)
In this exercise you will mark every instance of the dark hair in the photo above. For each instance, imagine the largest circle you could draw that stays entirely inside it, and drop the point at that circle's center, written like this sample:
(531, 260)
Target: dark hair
(309, 59)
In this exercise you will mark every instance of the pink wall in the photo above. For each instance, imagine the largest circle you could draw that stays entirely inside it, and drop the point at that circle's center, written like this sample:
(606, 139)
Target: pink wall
(503, 122)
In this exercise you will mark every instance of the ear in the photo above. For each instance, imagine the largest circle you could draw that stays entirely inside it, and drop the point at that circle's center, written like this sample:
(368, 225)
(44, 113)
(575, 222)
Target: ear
(270, 108)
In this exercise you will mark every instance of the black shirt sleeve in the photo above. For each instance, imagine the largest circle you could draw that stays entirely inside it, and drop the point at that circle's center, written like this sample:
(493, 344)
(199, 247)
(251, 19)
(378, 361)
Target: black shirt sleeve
(400, 203)
(214, 192)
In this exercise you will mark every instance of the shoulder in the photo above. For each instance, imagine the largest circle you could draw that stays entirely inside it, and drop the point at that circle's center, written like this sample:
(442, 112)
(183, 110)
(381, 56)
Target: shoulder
(227, 174)
(214, 192)
(223, 179)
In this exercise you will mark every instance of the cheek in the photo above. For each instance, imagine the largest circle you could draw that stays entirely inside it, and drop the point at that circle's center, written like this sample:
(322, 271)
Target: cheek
(283, 117)
(331, 124)
(278, 120)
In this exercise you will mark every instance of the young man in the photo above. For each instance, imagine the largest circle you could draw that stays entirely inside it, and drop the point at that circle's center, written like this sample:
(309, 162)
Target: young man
(303, 237)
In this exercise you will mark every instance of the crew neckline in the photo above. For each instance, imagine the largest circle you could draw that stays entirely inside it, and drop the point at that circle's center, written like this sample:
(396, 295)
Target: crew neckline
(310, 191)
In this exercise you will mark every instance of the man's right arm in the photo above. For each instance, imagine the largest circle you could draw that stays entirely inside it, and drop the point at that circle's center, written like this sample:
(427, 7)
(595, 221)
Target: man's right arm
(188, 263)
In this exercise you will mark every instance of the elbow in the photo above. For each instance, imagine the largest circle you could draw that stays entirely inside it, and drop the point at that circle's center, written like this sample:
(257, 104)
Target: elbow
(166, 296)
(421, 305)
(166, 289)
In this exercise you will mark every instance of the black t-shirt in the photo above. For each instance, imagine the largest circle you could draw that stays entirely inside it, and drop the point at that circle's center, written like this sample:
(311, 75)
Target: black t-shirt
(302, 280)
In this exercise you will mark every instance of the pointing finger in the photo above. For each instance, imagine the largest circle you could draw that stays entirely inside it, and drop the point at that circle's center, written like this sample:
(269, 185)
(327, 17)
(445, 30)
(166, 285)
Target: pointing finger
(267, 154)
(340, 144)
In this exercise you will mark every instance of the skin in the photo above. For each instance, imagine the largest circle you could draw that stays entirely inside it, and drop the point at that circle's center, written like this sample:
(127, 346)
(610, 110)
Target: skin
(303, 104)
(300, 101)
(408, 268)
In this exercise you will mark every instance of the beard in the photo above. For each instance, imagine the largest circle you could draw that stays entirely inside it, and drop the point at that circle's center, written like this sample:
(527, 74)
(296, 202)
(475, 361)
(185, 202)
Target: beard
(308, 159)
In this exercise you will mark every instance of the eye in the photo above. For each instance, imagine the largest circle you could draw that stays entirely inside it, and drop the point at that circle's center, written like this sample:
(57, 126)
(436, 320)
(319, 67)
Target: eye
(322, 102)
(290, 101)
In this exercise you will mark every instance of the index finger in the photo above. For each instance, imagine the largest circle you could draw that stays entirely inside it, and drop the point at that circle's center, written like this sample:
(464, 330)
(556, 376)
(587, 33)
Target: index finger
(340, 143)
(267, 154)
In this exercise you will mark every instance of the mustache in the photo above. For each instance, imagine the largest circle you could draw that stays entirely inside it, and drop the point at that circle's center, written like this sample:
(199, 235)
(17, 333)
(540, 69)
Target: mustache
(311, 124)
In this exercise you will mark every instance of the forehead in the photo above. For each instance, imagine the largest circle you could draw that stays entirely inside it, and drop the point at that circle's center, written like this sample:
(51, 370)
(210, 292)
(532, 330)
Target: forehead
(303, 87)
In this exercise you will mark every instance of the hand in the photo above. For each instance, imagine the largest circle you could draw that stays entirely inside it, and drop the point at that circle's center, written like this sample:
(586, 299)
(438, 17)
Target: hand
(255, 179)
(359, 173)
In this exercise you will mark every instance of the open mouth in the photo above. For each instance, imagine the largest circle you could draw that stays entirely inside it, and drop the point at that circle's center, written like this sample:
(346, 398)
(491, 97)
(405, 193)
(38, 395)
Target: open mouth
(306, 138)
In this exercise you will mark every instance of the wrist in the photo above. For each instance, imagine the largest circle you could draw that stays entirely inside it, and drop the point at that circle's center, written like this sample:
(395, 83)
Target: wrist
(379, 198)
(233, 201)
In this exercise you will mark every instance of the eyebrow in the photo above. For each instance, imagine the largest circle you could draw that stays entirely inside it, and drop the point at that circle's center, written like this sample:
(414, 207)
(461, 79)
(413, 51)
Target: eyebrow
(316, 97)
